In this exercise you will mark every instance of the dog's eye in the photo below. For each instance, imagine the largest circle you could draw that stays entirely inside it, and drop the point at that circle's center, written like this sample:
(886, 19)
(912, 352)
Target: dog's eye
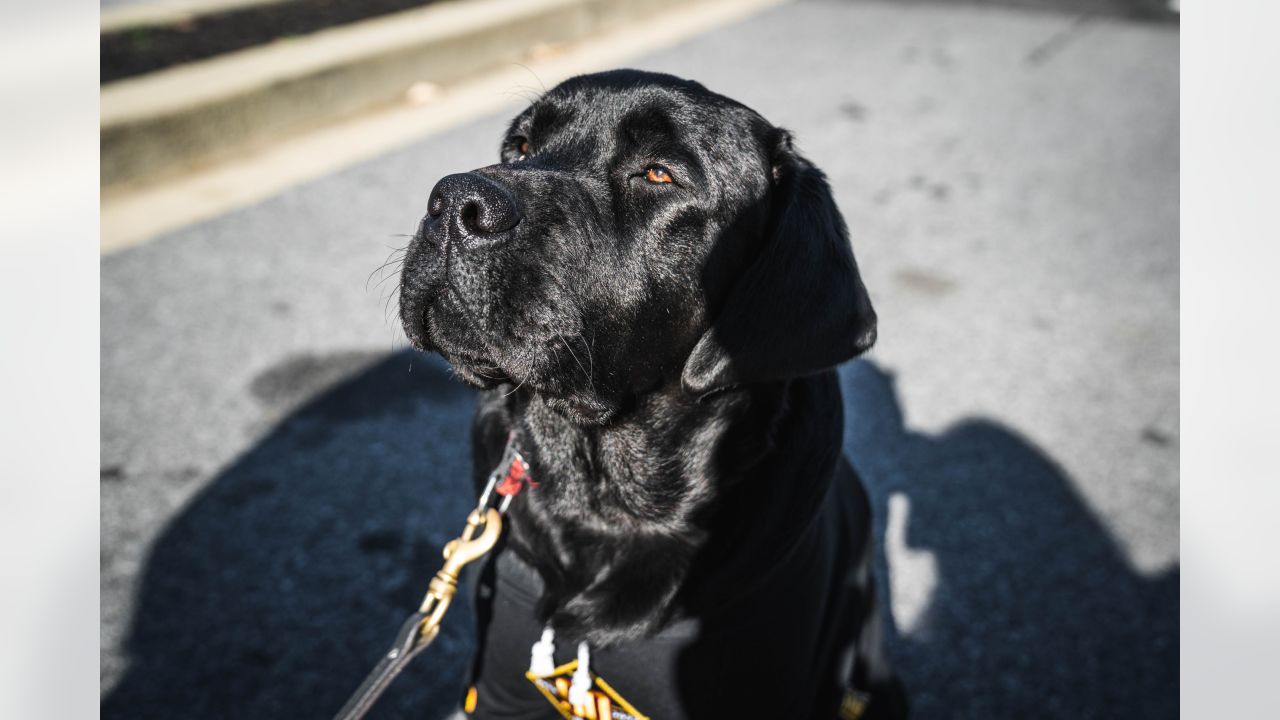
(657, 175)
(522, 146)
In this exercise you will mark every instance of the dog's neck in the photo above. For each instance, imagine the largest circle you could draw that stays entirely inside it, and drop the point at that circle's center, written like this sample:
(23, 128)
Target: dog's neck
(646, 470)
(624, 510)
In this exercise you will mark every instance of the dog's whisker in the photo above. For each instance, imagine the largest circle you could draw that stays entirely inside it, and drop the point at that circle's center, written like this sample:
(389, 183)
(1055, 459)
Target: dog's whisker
(572, 354)
(577, 309)
(380, 281)
(528, 97)
(384, 279)
(386, 307)
(528, 94)
(591, 361)
(517, 387)
(391, 260)
(535, 77)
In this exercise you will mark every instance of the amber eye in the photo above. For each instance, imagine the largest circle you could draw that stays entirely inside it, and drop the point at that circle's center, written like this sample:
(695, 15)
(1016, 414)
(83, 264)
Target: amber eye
(522, 146)
(657, 175)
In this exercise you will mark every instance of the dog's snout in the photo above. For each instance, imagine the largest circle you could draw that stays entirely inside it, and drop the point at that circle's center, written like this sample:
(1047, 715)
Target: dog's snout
(479, 206)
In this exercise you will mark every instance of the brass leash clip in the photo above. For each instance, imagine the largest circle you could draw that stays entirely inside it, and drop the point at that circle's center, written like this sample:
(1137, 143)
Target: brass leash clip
(459, 553)
(505, 482)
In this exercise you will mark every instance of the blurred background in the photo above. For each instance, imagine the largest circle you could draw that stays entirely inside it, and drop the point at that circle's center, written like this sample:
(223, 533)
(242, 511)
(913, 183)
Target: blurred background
(279, 471)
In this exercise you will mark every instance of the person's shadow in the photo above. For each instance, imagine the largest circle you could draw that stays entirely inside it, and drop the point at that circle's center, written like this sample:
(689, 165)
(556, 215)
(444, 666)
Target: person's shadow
(282, 583)
(1020, 602)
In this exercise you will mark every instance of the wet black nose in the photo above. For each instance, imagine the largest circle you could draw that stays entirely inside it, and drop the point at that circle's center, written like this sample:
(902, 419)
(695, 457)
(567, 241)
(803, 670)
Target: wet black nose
(478, 205)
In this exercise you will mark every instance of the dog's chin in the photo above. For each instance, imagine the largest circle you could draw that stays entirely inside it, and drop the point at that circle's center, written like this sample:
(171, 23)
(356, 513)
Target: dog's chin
(482, 379)
(581, 409)
(578, 407)
(475, 370)
(534, 377)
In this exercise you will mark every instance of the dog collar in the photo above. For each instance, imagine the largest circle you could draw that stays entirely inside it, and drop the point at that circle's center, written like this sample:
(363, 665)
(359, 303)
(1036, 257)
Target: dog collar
(509, 477)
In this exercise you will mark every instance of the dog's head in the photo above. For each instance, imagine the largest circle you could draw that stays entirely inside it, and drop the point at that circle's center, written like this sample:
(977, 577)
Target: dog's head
(641, 232)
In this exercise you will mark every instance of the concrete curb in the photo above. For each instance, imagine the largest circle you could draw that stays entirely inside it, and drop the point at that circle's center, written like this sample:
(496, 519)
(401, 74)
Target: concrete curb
(132, 215)
(165, 123)
(168, 12)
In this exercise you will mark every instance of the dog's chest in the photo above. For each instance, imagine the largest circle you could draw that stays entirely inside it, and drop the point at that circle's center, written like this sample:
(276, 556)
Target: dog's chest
(714, 663)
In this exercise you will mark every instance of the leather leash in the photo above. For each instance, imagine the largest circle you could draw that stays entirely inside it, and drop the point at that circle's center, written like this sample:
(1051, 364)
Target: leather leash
(484, 526)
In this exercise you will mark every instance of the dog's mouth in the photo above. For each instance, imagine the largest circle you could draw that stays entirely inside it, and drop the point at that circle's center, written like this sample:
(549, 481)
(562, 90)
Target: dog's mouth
(543, 368)
(474, 361)
(479, 371)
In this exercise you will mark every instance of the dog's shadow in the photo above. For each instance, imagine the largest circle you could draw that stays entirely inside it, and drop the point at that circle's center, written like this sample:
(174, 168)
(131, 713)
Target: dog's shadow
(284, 580)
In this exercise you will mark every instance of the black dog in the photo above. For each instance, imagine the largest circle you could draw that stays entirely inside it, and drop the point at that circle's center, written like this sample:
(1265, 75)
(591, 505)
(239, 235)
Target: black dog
(653, 287)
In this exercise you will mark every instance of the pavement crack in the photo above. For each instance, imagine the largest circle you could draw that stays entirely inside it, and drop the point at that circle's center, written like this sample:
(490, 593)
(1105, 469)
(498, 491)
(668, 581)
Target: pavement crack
(1054, 44)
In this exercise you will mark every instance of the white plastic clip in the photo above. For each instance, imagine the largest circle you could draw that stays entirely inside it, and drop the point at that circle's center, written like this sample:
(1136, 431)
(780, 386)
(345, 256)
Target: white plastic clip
(542, 660)
(581, 686)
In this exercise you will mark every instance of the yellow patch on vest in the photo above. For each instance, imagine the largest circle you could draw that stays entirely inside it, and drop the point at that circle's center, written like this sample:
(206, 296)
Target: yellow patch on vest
(605, 702)
(852, 705)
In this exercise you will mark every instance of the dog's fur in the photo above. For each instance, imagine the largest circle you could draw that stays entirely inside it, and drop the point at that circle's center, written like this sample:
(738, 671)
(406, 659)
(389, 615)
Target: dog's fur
(663, 352)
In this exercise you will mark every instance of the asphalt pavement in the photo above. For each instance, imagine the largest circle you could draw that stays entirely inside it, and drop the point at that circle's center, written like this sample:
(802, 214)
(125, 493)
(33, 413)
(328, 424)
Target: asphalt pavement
(279, 472)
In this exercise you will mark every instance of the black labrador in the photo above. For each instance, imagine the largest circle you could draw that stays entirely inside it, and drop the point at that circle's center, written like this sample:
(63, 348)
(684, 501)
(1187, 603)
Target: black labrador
(652, 289)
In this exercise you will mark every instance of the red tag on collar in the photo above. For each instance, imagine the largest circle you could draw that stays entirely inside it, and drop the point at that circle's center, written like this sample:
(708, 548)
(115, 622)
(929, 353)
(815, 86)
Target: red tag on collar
(517, 477)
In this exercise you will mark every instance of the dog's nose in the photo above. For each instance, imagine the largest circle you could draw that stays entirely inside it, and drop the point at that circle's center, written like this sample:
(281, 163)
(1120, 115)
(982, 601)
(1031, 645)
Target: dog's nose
(479, 205)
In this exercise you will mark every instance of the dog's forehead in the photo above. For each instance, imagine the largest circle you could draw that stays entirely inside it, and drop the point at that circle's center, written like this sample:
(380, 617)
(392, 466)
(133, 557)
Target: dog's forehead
(602, 110)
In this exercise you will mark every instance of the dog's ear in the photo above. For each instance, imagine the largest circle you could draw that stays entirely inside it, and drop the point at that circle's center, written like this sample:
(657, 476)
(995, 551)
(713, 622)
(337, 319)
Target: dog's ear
(800, 307)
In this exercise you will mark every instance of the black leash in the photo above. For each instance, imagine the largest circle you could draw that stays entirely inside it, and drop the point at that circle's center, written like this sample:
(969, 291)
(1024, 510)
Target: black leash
(408, 644)
(484, 526)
